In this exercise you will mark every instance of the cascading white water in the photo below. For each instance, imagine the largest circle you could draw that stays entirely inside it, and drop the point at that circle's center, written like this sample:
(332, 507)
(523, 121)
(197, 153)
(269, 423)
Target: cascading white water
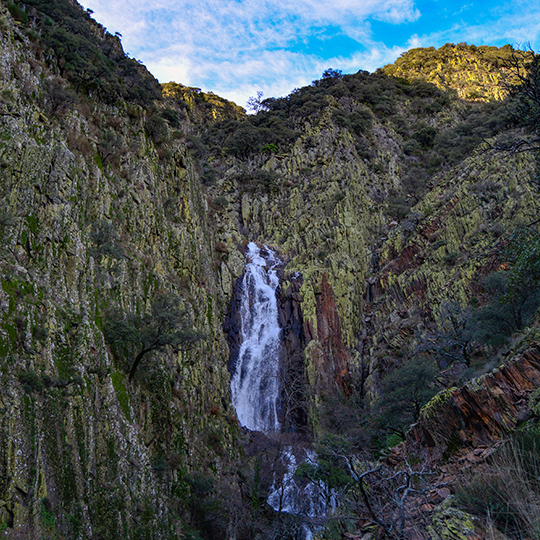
(255, 387)
(291, 496)
(255, 383)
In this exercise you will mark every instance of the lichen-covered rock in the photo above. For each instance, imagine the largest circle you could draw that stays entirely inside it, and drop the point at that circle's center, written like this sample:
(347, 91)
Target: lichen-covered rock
(95, 217)
(448, 523)
(483, 410)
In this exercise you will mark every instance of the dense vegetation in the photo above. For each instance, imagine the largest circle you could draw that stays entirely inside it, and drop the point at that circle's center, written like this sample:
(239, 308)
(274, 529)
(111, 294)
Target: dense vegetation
(467, 69)
(430, 129)
(85, 53)
(434, 128)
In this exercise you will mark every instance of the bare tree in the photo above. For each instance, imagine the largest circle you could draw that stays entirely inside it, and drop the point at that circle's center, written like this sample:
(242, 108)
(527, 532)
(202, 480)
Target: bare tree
(523, 87)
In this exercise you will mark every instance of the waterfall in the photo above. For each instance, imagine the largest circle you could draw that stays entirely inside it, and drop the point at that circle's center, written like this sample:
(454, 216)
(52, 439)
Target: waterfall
(255, 383)
(307, 499)
(255, 389)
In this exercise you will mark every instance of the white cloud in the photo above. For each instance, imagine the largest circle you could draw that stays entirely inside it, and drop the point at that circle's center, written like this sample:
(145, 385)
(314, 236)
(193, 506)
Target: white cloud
(236, 47)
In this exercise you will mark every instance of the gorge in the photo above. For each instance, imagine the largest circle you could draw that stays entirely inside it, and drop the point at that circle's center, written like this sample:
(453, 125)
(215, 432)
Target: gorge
(392, 247)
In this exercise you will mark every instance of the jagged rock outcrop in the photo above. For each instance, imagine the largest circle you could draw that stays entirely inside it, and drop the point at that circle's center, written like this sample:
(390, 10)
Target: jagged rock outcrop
(483, 411)
(475, 73)
(327, 357)
(97, 215)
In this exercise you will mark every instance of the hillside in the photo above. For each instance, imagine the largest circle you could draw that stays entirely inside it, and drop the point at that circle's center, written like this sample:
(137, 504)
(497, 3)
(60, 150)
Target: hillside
(408, 244)
(475, 73)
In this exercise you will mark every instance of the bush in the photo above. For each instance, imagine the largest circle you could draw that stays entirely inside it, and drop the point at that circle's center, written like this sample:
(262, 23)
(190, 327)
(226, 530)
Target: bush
(404, 393)
(106, 240)
(513, 293)
(88, 56)
(508, 492)
(31, 382)
(156, 129)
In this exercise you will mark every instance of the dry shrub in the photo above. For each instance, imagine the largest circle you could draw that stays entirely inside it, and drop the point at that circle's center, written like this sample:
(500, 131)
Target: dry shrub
(508, 492)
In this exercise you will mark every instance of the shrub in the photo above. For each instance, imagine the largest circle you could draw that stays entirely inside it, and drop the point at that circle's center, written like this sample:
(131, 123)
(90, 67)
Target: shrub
(106, 240)
(508, 492)
(156, 128)
(31, 382)
(405, 391)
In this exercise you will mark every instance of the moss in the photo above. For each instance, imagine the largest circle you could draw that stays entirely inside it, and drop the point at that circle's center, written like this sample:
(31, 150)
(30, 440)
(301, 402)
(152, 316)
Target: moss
(122, 395)
(210, 311)
(16, 291)
(435, 402)
(47, 519)
(33, 223)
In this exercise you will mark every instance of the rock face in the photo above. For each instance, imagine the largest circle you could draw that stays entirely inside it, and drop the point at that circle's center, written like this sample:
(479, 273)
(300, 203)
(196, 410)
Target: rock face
(327, 357)
(482, 411)
(107, 201)
(475, 73)
(93, 219)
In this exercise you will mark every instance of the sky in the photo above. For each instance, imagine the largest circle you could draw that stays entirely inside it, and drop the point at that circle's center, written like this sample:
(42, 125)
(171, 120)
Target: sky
(236, 48)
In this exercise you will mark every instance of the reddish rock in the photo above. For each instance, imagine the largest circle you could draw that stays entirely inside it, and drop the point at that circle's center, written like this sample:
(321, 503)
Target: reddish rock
(482, 411)
(410, 257)
(334, 361)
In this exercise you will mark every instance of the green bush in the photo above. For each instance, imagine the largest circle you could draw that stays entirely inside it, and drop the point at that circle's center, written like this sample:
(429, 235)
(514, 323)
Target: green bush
(156, 128)
(88, 56)
(31, 382)
(404, 392)
(106, 241)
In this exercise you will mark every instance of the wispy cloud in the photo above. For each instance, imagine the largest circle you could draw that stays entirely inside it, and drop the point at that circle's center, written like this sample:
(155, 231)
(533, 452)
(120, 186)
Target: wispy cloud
(236, 47)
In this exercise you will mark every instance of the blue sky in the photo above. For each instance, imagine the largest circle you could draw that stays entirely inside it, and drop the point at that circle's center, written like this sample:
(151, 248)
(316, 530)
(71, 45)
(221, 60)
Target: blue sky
(237, 47)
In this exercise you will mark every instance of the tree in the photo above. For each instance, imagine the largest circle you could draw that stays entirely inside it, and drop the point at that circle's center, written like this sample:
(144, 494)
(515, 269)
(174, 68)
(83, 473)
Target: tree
(255, 103)
(404, 392)
(332, 74)
(514, 290)
(452, 340)
(385, 497)
(166, 325)
(523, 87)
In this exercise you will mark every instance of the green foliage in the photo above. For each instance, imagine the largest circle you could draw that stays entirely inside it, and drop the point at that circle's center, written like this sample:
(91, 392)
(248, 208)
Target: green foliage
(172, 117)
(7, 219)
(47, 518)
(207, 513)
(121, 392)
(452, 341)
(270, 148)
(160, 465)
(247, 139)
(525, 69)
(220, 202)
(404, 392)
(106, 240)
(331, 466)
(166, 325)
(88, 56)
(462, 67)
(156, 128)
(513, 293)
(57, 96)
(31, 382)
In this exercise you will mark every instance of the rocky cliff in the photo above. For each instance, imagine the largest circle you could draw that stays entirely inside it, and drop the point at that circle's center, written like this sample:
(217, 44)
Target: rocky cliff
(378, 191)
(96, 216)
